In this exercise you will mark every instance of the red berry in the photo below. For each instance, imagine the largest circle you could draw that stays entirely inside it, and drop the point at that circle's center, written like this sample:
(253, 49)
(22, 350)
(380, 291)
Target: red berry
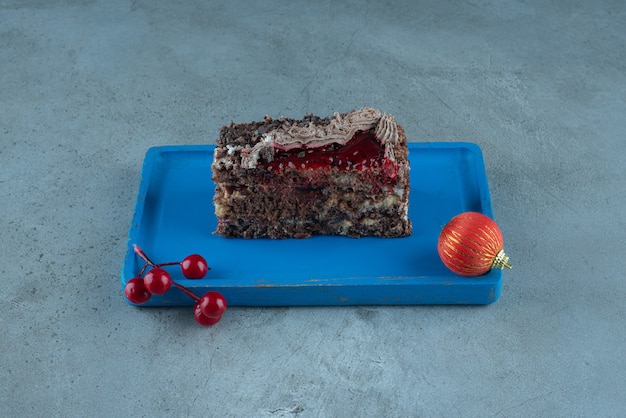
(136, 292)
(158, 281)
(201, 318)
(212, 304)
(194, 266)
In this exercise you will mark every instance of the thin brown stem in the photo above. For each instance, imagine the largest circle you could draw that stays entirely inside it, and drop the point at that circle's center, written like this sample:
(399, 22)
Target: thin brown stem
(143, 255)
(186, 291)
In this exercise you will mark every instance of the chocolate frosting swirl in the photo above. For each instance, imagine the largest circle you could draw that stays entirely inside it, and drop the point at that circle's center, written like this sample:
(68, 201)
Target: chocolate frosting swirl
(340, 130)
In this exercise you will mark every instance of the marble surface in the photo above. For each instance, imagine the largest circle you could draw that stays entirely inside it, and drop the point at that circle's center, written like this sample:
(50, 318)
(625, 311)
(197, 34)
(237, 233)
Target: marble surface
(86, 87)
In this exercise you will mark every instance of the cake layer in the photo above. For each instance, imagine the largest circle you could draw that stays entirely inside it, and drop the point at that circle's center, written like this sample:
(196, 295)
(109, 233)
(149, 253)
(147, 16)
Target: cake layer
(297, 178)
(300, 204)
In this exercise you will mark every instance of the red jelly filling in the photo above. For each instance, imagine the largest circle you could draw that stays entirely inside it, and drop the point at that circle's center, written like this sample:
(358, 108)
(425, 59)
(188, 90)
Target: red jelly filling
(361, 153)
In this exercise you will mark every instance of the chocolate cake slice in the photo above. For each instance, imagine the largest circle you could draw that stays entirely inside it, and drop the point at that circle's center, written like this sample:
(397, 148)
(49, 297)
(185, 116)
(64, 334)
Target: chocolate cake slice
(342, 175)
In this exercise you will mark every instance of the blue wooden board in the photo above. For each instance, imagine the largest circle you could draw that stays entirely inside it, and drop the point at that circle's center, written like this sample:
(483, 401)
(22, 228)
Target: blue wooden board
(174, 217)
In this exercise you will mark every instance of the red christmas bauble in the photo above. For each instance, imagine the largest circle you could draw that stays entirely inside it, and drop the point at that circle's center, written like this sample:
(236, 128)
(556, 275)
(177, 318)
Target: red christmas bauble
(471, 244)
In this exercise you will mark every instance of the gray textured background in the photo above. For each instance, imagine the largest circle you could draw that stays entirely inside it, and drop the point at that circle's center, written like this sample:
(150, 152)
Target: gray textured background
(87, 87)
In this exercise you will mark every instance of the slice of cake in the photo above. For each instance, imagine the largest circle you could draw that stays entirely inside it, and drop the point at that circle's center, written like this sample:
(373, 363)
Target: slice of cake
(343, 175)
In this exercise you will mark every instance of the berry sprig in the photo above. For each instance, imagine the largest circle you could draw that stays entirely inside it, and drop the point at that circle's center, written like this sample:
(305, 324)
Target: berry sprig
(153, 279)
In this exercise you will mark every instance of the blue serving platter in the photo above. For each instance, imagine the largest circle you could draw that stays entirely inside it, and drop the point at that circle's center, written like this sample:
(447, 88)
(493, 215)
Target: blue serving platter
(174, 217)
